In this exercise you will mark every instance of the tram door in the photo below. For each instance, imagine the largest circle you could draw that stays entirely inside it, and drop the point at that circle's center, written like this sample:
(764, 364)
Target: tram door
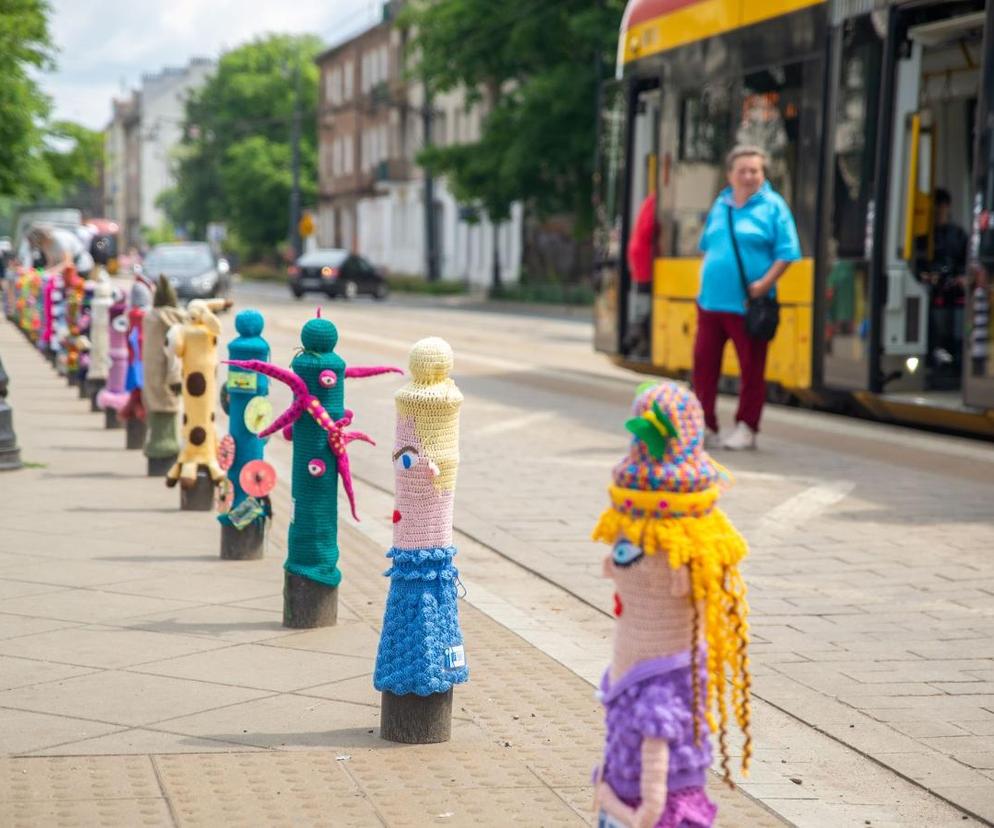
(936, 78)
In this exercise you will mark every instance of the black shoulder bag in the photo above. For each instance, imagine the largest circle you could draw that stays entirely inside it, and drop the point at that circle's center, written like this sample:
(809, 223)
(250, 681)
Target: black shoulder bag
(762, 314)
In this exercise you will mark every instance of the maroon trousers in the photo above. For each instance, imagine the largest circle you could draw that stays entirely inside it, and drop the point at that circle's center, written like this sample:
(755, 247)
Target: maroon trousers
(714, 329)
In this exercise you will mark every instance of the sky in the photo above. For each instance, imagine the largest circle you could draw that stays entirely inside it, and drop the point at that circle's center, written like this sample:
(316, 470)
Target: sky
(105, 46)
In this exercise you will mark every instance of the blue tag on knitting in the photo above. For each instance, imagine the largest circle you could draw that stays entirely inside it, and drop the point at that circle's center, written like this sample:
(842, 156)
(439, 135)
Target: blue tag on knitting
(455, 657)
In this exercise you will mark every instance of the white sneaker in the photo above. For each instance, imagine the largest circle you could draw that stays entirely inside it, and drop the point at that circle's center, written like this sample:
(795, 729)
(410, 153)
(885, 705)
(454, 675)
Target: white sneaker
(741, 439)
(712, 440)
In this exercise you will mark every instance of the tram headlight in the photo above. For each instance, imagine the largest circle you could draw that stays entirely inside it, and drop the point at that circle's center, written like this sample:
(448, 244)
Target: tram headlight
(911, 363)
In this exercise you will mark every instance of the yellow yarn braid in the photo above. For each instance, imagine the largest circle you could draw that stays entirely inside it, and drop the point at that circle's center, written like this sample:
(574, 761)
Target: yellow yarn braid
(694, 533)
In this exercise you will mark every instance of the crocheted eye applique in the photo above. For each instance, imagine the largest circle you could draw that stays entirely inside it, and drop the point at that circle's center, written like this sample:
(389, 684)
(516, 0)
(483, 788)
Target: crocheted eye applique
(120, 324)
(328, 379)
(405, 458)
(625, 553)
(316, 468)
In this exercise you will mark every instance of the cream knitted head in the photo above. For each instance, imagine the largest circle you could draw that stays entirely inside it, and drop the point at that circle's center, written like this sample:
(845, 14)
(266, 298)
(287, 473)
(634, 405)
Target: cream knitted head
(433, 400)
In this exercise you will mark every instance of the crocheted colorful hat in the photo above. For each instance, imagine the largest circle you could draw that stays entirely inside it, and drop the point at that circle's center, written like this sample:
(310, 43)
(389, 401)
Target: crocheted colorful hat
(664, 497)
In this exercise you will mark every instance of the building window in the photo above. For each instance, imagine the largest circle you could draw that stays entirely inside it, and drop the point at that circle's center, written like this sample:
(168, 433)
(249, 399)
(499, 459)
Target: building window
(347, 80)
(348, 143)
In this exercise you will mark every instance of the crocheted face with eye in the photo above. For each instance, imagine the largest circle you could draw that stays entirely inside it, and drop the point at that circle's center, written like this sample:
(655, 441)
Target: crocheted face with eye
(422, 516)
(645, 585)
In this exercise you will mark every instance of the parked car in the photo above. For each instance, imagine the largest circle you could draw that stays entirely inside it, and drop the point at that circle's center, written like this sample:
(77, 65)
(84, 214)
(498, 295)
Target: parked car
(336, 273)
(192, 267)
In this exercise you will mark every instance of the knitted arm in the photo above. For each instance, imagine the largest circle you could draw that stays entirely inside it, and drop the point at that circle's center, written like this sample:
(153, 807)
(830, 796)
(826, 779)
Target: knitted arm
(361, 371)
(655, 765)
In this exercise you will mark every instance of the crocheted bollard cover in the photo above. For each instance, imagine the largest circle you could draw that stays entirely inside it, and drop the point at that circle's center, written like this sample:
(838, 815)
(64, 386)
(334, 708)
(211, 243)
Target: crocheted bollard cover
(162, 377)
(421, 646)
(680, 650)
(141, 299)
(195, 343)
(113, 395)
(244, 386)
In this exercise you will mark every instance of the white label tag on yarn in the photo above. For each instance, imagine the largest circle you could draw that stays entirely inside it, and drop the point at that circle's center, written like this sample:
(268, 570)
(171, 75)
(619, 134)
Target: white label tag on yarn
(293, 509)
(455, 657)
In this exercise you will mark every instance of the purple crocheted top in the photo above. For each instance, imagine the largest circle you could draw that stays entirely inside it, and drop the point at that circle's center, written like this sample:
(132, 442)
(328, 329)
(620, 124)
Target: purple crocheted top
(653, 700)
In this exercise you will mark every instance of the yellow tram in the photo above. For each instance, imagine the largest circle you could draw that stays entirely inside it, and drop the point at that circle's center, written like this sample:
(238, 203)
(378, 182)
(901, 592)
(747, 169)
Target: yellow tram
(872, 113)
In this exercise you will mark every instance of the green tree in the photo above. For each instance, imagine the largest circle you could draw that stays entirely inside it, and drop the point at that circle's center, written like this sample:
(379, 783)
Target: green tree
(25, 45)
(534, 65)
(74, 155)
(233, 163)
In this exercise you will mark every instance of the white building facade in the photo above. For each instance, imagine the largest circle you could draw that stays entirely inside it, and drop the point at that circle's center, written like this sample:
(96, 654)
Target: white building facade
(163, 97)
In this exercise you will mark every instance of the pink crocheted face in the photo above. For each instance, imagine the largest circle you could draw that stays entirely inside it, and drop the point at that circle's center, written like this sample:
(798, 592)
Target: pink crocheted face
(422, 515)
(643, 583)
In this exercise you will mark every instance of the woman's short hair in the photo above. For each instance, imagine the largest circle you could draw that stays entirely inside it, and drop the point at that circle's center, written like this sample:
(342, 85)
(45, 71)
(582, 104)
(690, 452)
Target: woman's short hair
(745, 151)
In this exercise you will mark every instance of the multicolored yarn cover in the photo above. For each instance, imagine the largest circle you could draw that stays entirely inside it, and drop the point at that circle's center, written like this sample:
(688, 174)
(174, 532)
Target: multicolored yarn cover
(421, 647)
(664, 502)
(244, 386)
(141, 299)
(113, 395)
(316, 422)
(195, 344)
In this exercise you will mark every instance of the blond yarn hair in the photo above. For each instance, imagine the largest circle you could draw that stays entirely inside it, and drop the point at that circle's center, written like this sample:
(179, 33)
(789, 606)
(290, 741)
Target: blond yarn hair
(433, 400)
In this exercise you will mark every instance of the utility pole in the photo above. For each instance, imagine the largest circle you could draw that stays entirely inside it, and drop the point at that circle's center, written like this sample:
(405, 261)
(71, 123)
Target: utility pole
(431, 231)
(295, 164)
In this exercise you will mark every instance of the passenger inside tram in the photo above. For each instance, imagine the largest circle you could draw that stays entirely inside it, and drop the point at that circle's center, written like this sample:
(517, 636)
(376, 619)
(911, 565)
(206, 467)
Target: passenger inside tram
(941, 266)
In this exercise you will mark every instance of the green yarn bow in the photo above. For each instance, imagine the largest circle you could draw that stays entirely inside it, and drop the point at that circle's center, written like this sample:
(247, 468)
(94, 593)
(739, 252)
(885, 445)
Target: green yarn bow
(655, 429)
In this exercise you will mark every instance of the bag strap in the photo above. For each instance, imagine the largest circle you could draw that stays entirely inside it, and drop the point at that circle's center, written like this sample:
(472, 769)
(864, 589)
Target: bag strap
(738, 255)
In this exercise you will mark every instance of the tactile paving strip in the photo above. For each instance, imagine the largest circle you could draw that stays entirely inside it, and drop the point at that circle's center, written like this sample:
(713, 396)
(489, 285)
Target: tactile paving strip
(272, 789)
(77, 777)
(86, 813)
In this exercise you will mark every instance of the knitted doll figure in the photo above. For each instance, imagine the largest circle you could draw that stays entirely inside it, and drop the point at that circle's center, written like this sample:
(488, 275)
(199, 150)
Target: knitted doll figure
(195, 344)
(162, 374)
(680, 655)
(112, 397)
(140, 300)
(421, 645)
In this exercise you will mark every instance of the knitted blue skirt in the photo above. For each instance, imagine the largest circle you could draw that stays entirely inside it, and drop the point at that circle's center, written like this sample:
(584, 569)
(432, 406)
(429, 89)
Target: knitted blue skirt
(421, 647)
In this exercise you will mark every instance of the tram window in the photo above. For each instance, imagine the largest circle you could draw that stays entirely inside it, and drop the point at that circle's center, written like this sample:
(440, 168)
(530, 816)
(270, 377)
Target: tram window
(770, 118)
(847, 270)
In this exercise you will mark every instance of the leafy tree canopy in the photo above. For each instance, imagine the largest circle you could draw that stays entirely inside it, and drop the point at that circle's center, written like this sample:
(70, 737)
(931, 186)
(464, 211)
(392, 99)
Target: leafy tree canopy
(534, 65)
(233, 163)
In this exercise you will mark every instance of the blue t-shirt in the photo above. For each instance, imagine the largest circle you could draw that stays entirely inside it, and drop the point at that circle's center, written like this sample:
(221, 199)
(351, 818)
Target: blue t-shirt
(765, 231)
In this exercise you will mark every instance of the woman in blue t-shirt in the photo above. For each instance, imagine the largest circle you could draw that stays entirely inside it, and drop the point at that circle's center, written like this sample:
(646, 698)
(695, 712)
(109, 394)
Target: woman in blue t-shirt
(767, 240)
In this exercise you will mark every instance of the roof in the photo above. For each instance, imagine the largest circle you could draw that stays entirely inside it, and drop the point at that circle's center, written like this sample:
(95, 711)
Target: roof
(650, 27)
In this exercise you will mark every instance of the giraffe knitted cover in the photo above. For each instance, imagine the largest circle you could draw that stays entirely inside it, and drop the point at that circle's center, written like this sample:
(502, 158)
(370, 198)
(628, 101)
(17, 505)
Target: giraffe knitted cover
(421, 647)
(243, 387)
(195, 343)
(681, 635)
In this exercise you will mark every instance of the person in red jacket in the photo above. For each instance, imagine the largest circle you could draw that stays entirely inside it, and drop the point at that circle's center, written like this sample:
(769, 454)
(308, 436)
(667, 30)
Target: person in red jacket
(641, 253)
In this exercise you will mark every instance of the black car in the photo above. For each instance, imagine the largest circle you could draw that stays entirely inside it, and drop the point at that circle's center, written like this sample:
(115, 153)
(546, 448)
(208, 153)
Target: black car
(336, 273)
(192, 267)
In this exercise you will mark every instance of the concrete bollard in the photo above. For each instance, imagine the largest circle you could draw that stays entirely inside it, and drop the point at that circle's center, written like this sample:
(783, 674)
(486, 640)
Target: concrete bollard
(316, 422)
(195, 343)
(243, 525)
(162, 378)
(421, 655)
(10, 454)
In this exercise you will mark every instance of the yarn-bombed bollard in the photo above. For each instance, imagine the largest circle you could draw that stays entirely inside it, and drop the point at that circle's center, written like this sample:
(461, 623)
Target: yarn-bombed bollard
(99, 336)
(680, 663)
(10, 454)
(195, 343)
(243, 526)
(112, 397)
(83, 339)
(133, 411)
(316, 422)
(74, 312)
(162, 377)
(421, 654)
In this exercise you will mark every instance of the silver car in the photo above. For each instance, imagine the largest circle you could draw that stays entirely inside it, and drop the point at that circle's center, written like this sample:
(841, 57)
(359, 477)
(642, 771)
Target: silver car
(192, 267)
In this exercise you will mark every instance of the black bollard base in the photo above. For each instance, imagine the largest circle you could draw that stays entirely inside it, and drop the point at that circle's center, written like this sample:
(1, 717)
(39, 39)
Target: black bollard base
(416, 720)
(308, 604)
(111, 420)
(72, 380)
(10, 454)
(200, 496)
(158, 466)
(83, 393)
(135, 437)
(93, 387)
(246, 544)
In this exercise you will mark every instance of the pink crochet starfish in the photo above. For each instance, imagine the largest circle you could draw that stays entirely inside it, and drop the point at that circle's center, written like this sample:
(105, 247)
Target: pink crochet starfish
(304, 400)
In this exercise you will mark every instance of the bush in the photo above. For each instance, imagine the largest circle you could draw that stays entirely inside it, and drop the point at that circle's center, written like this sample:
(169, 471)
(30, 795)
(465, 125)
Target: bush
(405, 283)
(550, 293)
(263, 272)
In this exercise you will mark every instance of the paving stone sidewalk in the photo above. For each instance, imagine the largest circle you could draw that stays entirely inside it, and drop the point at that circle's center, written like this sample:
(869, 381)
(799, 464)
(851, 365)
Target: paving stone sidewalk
(143, 681)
